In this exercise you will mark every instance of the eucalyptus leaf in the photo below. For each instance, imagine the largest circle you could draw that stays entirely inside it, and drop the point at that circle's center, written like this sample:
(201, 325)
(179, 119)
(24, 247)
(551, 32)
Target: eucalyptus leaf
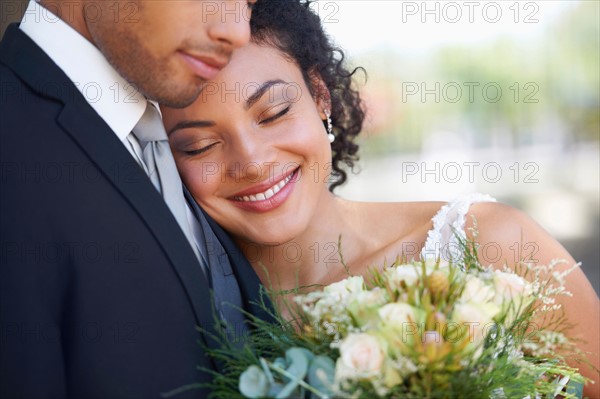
(321, 374)
(298, 360)
(253, 383)
(275, 390)
(265, 367)
(575, 388)
(281, 363)
(287, 390)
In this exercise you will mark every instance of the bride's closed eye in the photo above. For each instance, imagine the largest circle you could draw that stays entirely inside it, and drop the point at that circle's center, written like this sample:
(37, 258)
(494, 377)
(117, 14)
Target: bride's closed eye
(273, 113)
(194, 147)
(200, 150)
(270, 115)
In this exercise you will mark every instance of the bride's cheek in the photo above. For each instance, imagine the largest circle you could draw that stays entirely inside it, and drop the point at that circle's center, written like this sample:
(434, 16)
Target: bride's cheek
(193, 177)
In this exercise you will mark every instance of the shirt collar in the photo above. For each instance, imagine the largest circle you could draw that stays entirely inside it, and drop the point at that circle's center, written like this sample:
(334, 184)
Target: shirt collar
(118, 103)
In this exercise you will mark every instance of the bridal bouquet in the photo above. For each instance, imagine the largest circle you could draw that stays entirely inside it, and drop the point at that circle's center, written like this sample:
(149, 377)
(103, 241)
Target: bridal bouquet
(412, 330)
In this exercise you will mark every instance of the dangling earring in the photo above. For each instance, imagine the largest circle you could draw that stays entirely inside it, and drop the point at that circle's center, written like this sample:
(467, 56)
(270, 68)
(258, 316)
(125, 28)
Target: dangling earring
(330, 135)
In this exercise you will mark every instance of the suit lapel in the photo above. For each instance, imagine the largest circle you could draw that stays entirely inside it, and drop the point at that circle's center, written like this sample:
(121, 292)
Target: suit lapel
(97, 141)
(248, 281)
(127, 176)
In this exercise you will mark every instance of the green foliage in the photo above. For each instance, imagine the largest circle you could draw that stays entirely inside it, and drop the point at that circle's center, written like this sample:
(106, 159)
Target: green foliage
(300, 358)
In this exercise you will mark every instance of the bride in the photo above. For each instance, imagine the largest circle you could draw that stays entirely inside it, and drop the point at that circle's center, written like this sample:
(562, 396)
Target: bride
(257, 149)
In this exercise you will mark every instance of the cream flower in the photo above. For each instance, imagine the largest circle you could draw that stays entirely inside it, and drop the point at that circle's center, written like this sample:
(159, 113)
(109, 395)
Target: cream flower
(513, 293)
(342, 289)
(397, 314)
(409, 274)
(361, 357)
(476, 290)
(509, 285)
(477, 318)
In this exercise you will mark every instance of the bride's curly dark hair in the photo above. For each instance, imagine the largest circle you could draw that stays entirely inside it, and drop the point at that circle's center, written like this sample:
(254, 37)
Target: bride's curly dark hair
(294, 29)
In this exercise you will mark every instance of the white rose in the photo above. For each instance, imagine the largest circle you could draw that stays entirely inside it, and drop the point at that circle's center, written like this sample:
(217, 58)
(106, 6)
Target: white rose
(342, 289)
(397, 314)
(509, 285)
(375, 297)
(408, 274)
(513, 293)
(476, 318)
(476, 290)
(361, 357)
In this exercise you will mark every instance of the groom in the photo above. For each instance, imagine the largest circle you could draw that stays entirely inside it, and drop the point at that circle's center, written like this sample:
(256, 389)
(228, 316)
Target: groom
(105, 270)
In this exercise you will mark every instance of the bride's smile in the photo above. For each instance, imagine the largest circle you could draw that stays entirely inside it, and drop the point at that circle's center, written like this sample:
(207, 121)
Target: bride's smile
(259, 199)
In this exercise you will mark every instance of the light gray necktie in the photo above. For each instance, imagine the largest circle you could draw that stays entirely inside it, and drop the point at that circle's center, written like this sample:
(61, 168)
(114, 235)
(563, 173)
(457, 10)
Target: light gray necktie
(160, 167)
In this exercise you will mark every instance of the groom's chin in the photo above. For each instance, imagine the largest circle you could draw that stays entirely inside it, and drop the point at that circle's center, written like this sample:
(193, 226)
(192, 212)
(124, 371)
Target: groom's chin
(176, 96)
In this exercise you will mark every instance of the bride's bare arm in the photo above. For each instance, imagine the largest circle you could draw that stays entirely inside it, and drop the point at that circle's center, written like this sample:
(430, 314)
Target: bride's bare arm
(503, 228)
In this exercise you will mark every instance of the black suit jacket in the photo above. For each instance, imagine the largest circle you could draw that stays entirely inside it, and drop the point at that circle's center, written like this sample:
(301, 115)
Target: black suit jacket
(100, 292)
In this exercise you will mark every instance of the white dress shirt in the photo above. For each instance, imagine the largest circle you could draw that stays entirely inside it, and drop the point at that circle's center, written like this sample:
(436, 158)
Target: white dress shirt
(117, 102)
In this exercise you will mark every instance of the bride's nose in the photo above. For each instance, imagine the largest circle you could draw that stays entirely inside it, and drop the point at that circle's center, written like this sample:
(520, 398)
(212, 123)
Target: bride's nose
(251, 158)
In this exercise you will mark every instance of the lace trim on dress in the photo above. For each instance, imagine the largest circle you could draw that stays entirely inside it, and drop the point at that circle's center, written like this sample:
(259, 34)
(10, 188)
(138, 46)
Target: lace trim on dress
(448, 223)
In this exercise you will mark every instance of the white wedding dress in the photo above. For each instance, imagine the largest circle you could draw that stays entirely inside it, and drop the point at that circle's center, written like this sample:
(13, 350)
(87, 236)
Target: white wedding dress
(443, 240)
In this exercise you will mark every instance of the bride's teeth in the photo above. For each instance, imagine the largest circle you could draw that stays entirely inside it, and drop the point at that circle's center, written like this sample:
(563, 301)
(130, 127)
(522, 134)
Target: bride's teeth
(267, 194)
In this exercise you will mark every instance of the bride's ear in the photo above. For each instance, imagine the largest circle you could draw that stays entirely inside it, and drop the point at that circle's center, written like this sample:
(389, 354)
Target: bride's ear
(321, 96)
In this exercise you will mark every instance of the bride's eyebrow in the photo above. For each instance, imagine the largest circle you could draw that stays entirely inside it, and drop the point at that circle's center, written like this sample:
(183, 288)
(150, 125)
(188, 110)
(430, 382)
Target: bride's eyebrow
(261, 91)
(263, 88)
(188, 124)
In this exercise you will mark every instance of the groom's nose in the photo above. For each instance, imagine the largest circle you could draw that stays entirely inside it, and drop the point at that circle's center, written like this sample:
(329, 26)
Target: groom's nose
(231, 25)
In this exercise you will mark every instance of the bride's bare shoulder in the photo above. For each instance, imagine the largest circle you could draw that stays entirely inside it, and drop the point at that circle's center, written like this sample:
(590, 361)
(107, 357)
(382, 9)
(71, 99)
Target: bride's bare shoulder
(499, 221)
(390, 229)
(513, 235)
(403, 213)
(401, 217)
(404, 217)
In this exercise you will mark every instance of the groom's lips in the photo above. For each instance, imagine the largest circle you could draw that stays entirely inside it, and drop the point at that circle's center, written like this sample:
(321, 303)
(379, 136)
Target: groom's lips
(203, 66)
(268, 204)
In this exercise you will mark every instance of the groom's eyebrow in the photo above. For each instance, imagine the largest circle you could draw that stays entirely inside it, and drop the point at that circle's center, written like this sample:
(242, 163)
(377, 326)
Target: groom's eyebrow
(188, 124)
(261, 91)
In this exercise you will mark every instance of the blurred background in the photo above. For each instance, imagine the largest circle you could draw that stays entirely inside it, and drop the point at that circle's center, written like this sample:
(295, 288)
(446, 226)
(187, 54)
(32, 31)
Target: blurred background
(498, 97)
